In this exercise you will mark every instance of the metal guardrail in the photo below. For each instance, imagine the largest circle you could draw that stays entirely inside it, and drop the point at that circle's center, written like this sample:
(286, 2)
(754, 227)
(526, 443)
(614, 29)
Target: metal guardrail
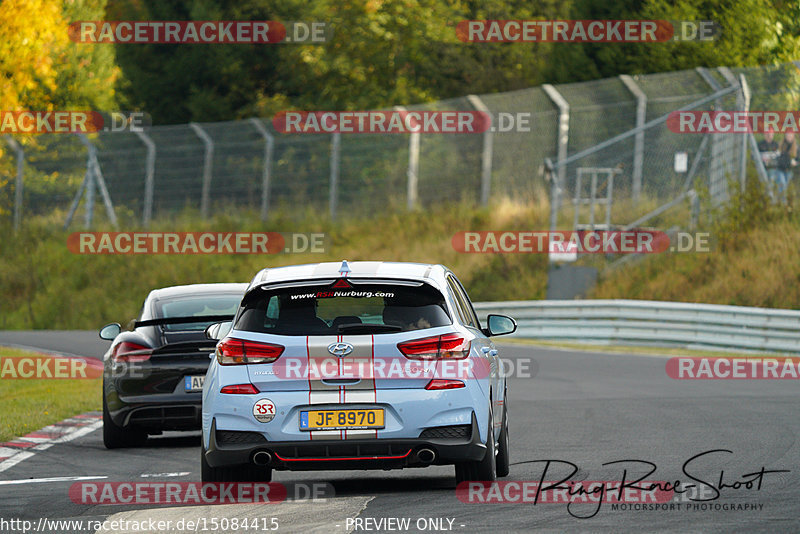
(648, 322)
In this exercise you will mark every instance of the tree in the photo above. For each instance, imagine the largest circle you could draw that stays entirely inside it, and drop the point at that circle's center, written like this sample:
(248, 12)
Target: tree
(41, 69)
(753, 32)
(179, 83)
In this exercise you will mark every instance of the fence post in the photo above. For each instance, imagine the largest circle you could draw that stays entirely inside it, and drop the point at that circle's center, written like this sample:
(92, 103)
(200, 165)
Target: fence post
(488, 147)
(90, 187)
(717, 186)
(743, 151)
(207, 163)
(555, 193)
(77, 199)
(149, 177)
(93, 166)
(336, 143)
(269, 143)
(563, 131)
(638, 147)
(20, 155)
(412, 189)
(743, 102)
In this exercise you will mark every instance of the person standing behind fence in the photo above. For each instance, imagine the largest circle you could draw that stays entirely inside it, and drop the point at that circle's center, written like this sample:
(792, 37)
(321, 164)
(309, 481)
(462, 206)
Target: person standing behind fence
(768, 148)
(787, 160)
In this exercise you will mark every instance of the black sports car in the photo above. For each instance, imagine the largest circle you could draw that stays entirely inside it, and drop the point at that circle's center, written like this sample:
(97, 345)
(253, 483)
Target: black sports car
(153, 374)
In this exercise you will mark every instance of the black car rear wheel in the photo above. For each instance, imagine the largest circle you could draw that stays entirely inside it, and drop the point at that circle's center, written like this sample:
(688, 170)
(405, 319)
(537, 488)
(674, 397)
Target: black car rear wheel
(235, 473)
(115, 437)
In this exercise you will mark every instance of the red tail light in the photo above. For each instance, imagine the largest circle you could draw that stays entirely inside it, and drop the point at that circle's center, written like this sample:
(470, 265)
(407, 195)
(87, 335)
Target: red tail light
(131, 352)
(438, 383)
(232, 351)
(449, 346)
(240, 389)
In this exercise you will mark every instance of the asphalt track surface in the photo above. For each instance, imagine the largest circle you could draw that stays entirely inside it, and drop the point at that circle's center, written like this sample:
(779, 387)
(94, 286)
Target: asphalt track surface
(579, 407)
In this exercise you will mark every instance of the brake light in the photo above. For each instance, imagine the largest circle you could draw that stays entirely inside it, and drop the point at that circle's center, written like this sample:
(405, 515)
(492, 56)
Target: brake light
(446, 346)
(232, 351)
(131, 352)
(240, 389)
(438, 383)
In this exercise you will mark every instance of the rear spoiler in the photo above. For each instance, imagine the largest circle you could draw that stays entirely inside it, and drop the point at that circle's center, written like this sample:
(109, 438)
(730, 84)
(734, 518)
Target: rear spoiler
(183, 320)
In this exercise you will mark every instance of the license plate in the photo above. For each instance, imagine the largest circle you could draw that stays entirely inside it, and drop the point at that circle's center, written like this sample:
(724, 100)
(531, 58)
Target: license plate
(341, 419)
(193, 383)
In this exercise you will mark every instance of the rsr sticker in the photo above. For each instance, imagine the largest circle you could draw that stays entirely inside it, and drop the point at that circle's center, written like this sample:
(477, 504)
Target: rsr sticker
(264, 410)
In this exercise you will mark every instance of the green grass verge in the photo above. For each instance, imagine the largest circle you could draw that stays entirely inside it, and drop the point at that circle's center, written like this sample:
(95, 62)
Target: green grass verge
(45, 286)
(756, 261)
(30, 404)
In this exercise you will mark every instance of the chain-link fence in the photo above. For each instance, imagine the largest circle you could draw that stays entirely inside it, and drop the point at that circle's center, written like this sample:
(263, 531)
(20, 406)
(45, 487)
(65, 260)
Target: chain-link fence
(651, 175)
(614, 127)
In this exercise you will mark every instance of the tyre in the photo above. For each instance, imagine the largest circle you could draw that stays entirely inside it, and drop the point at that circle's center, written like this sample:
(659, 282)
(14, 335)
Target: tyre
(236, 473)
(115, 437)
(482, 470)
(503, 465)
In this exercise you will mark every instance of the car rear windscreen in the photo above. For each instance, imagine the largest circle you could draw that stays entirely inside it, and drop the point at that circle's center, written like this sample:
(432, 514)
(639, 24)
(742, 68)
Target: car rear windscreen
(363, 308)
(198, 305)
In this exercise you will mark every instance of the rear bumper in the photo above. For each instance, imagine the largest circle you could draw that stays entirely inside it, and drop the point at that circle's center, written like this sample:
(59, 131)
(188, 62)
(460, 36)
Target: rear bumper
(155, 401)
(162, 416)
(346, 454)
(157, 412)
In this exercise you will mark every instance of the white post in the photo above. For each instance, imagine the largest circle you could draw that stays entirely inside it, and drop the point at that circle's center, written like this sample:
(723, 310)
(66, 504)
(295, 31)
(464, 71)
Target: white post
(207, 163)
(638, 147)
(488, 147)
(336, 142)
(563, 131)
(743, 101)
(269, 143)
(559, 179)
(412, 189)
(149, 177)
(20, 154)
(717, 185)
(93, 167)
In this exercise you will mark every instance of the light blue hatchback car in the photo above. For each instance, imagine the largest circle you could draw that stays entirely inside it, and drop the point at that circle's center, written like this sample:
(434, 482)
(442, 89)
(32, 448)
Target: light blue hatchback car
(366, 365)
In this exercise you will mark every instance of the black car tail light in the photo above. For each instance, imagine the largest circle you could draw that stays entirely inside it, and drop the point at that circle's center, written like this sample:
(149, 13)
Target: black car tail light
(131, 352)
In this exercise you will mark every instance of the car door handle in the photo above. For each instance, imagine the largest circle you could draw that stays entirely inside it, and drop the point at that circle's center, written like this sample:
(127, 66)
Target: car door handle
(493, 352)
(485, 350)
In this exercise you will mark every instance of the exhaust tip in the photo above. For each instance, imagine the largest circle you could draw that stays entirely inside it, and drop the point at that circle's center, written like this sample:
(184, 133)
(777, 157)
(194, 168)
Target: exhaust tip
(426, 456)
(262, 458)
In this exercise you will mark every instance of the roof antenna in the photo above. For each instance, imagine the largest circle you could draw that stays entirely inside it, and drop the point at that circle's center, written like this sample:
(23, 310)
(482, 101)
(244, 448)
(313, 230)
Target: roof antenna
(344, 270)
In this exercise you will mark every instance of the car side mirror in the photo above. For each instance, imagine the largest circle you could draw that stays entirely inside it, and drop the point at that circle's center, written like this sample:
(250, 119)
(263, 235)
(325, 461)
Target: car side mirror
(217, 331)
(110, 331)
(498, 325)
